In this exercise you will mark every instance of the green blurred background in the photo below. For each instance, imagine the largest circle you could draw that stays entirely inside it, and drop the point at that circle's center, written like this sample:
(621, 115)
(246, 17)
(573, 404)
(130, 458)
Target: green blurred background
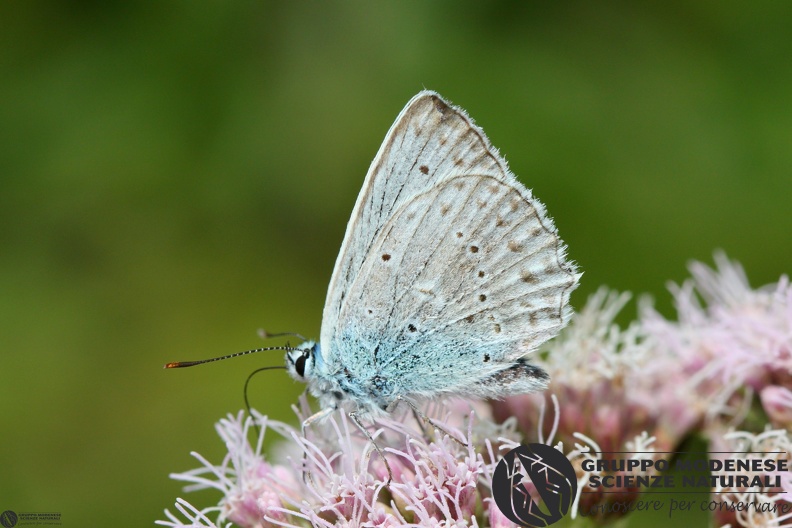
(176, 175)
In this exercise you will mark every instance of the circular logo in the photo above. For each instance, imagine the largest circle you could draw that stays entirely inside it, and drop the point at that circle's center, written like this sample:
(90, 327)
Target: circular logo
(8, 519)
(549, 472)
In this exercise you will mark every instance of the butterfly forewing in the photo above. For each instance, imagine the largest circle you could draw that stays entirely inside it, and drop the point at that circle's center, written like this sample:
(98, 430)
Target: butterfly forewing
(429, 142)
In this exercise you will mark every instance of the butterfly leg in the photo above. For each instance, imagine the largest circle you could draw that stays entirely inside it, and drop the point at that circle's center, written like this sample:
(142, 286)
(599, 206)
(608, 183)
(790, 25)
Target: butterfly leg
(356, 419)
(428, 420)
(420, 421)
(307, 422)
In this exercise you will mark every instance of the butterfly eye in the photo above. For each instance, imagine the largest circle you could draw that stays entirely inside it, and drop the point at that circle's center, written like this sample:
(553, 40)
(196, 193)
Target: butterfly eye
(299, 365)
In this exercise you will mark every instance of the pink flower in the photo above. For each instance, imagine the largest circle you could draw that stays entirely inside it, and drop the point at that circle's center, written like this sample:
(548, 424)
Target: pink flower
(612, 384)
(738, 343)
(639, 389)
(435, 482)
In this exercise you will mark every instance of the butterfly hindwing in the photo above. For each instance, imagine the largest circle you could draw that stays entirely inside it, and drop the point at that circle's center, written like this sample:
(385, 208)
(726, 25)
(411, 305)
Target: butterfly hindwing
(469, 274)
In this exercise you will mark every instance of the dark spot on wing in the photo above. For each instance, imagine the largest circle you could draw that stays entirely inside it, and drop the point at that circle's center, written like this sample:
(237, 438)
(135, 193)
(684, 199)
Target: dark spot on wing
(411, 327)
(469, 318)
(482, 297)
(379, 383)
(424, 169)
(474, 249)
(386, 257)
(480, 273)
(376, 349)
(497, 328)
(500, 222)
(549, 313)
(459, 234)
(458, 162)
(530, 278)
(519, 370)
(486, 357)
(439, 105)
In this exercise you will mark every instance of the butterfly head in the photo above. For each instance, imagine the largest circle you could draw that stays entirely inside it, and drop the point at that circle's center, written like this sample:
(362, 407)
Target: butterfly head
(300, 361)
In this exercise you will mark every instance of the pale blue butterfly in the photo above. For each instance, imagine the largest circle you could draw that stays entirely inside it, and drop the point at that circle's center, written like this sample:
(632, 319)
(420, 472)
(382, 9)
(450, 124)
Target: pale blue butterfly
(450, 273)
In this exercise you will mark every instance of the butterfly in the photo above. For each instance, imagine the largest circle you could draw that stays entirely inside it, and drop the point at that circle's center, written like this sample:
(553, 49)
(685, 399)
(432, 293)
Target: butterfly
(449, 275)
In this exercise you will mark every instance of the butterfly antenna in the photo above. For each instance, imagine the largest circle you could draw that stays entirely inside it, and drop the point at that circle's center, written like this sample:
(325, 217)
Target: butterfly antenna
(263, 334)
(182, 364)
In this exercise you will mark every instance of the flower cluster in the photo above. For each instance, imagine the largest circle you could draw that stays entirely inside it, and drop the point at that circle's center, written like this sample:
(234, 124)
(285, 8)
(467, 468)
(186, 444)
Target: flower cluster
(737, 344)
(334, 477)
(722, 370)
(616, 394)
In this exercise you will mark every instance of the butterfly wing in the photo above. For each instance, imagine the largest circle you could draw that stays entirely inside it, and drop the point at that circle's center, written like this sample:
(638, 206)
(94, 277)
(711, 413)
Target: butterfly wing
(430, 141)
(466, 277)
